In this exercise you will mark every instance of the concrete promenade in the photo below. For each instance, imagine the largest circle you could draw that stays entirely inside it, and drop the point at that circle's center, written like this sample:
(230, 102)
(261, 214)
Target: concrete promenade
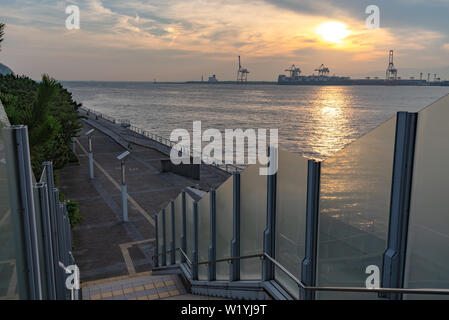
(104, 246)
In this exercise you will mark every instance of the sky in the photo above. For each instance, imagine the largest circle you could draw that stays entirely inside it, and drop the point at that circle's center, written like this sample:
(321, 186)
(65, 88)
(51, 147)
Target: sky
(182, 40)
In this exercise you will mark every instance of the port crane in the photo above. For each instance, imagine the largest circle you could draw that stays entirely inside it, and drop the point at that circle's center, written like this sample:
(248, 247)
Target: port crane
(392, 72)
(242, 73)
(322, 71)
(294, 71)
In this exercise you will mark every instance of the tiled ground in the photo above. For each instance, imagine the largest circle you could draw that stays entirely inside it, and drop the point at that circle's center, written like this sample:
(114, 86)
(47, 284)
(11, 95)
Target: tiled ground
(142, 286)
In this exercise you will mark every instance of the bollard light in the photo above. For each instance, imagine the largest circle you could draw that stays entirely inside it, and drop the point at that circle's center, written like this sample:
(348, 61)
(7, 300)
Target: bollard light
(91, 157)
(122, 159)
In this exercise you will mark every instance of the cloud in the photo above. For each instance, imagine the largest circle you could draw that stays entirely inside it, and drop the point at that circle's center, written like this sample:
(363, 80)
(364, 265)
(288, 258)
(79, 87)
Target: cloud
(274, 32)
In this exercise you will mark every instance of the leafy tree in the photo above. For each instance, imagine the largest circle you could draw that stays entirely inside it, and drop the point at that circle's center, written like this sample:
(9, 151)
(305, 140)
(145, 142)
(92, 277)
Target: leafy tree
(50, 114)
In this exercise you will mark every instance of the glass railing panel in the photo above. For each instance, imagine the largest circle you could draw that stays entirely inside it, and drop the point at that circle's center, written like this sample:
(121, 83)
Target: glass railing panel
(290, 218)
(253, 217)
(168, 231)
(224, 207)
(203, 235)
(160, 238)
(8, 276)
(354, 210)
(189, 226)
(427, 262)
(178, 225)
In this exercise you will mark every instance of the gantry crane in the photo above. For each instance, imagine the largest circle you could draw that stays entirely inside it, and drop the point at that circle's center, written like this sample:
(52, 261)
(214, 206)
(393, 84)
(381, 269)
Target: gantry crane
(242, 73)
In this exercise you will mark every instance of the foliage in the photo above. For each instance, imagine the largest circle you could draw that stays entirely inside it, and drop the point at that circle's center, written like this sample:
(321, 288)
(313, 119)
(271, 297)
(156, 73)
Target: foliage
(73, 211)
(50, 113)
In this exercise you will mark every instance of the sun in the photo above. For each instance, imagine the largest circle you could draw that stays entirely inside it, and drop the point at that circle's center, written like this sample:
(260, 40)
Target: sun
(333, 31)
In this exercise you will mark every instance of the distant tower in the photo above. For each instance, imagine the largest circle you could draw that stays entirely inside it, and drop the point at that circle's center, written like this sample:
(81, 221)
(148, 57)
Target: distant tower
(420, 76)
(428, 77)
(392, 72)
(242, 73)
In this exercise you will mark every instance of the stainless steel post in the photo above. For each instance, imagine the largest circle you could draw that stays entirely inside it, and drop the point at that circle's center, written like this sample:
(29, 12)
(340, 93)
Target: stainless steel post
(124, 194)
(91, 159)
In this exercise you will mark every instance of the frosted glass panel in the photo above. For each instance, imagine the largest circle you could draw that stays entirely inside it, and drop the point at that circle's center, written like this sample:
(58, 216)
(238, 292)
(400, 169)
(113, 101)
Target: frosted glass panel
(427, 264)
(253, 217)
(8, 277)
(354, 210)
(178, 226)
(189, 226)
(224, 204)
(290, 217)
(203, 235)
(160, 238)
(168, 231)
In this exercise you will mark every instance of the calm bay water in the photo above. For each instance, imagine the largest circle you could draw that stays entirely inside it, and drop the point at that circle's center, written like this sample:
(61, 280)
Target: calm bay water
(313, 121)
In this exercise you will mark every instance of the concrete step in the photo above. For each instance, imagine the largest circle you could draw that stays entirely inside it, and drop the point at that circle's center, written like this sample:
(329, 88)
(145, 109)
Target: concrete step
(141, 286)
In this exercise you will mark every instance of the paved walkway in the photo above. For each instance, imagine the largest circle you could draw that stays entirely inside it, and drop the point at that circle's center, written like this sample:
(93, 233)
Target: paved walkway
(104, 246)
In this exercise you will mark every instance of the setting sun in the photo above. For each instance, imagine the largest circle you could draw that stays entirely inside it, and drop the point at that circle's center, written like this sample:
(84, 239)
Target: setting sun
(333, 32)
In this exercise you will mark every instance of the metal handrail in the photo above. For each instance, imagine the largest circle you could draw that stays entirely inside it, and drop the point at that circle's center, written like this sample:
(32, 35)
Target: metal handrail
(316, 288)
(231, 259)
(357, 289)
(186, 257)
(257, 255)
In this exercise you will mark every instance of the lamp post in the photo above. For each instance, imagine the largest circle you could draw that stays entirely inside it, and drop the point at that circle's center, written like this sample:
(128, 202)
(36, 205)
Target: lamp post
(122, 158)
(91, 157)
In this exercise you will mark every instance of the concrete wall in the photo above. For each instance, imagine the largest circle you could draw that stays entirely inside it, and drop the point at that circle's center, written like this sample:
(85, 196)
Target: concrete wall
(187, 170)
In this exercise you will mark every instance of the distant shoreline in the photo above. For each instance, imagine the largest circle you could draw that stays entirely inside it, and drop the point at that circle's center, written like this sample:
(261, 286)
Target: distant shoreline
(320, 84)
(173, 82)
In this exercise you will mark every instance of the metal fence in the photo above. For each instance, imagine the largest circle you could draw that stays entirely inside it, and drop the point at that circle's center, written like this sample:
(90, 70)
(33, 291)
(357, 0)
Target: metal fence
(40, 225)
(187, 152)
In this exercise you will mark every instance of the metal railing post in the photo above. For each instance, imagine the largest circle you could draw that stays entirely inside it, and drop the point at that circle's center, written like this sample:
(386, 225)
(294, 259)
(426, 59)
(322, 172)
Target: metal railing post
(212, 271)
(124, 192)
(164, 240)
(269, 234)
(53, 199)
(173, 237)
(235, 242)
(395, 254)
(156, 246)
(91, 159)
(184, 226)
(23, 210)
(42, 191)
(61, 247)
(195, 242)
(309, 263)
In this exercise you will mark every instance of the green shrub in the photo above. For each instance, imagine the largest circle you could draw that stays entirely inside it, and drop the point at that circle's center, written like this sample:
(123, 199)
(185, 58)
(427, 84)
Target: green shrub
(74, 213)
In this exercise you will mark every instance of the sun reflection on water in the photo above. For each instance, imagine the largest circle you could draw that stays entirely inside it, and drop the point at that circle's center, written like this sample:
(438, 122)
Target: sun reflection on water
(331, 121)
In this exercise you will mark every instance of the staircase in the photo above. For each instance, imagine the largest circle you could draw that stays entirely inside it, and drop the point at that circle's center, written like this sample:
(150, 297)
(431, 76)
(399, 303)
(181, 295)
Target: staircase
(140, 286)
